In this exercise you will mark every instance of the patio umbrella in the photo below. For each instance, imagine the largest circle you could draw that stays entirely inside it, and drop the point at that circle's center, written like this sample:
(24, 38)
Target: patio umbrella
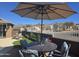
(43, 11)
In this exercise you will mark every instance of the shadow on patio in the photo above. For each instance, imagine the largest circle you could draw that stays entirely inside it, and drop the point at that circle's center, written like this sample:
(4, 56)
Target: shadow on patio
(9, 51)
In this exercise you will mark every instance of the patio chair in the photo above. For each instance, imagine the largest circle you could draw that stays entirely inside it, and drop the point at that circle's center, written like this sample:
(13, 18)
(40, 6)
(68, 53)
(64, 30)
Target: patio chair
(28, 53)
(63, 52)
(24, 44)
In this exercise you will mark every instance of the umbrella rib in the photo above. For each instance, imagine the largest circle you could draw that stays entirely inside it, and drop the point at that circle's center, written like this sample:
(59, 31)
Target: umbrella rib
(64, 9)
(56, 13)
(40, 4)
(29, 12)
(22, 9)
(57, 4)
(27, 3)
(47, 14)
(36, 16)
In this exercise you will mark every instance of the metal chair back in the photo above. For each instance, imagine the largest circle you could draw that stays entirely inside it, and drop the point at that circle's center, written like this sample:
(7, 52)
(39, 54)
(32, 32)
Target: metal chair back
(65, 49)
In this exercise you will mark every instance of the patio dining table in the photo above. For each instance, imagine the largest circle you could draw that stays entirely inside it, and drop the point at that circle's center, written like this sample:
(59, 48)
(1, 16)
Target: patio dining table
(46, 47)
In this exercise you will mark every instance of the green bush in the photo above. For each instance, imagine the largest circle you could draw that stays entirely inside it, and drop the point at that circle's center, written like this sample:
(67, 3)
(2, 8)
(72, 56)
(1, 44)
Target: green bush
(34, 36)
(23, 38)
(28, 41)
(16, 42)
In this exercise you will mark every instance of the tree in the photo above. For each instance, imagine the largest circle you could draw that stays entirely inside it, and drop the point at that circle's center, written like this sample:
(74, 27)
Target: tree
(75, 27)
(67, 25)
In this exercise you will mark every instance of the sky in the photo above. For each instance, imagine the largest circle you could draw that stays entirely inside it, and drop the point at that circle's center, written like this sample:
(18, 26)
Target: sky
(6, 14)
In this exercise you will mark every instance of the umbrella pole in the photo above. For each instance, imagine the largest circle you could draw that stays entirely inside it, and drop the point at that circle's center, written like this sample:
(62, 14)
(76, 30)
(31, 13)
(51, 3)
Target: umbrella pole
(41, 38)
(41, 30)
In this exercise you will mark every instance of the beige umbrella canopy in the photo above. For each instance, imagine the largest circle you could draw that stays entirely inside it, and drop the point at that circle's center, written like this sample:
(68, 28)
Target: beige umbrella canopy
(43, 10)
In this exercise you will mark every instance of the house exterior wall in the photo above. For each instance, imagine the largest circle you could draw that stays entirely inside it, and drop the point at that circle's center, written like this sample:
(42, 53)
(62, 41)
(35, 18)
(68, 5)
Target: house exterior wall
(6, 29)
(9, 32)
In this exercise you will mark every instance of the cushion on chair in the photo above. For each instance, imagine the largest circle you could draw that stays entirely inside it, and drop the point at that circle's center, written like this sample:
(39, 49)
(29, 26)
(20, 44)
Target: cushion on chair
(32, 53)
(24, 44)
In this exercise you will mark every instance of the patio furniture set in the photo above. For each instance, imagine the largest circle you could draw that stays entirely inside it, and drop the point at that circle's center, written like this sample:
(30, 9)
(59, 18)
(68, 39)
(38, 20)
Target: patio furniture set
(46, 49)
